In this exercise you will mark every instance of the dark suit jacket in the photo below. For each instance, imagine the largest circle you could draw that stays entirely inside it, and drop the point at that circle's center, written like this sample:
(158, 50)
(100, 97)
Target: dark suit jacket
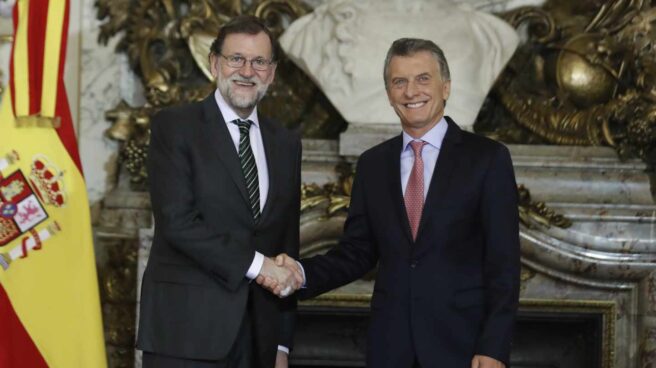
(194, 291)
(452, 293)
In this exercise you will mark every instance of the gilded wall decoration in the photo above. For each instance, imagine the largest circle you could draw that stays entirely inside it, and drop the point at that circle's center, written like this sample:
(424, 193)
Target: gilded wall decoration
(131, 127)
(336, 197)
(532, 213)
(525, 276)
(584, 77)
(167, 44)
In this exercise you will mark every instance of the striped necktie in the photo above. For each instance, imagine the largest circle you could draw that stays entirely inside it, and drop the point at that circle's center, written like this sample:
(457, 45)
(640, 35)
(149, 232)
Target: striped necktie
(248, 166)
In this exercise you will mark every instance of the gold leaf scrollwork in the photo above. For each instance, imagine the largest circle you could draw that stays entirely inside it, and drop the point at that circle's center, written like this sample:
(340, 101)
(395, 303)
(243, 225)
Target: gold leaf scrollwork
(532, 213)
(131, 127)
(278, 14)
(580, 79)
(526, 275)
(336, 196)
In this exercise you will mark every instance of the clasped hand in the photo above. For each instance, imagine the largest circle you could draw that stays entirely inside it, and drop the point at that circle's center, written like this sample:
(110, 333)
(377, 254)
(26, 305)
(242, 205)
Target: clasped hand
(281, 276)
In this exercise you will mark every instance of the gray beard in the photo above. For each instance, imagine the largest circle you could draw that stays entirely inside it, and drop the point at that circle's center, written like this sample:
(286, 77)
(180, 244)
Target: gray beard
(241, 102)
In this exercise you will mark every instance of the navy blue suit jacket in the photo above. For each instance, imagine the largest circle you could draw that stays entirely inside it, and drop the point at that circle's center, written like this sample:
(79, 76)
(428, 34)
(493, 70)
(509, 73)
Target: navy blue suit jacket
(453, 292)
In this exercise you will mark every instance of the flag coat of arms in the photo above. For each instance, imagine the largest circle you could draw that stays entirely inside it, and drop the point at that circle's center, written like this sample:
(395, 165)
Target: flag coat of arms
(49, 301)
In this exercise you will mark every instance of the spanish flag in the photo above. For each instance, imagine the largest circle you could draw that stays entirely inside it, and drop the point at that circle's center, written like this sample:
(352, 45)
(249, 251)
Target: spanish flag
(49, 302)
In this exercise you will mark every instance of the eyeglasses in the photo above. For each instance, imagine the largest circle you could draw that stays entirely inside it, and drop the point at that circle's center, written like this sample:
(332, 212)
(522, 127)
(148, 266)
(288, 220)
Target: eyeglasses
(238, 61)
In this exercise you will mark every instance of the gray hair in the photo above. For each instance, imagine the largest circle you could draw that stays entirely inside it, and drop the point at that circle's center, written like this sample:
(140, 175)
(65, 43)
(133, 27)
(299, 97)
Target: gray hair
(410, 46)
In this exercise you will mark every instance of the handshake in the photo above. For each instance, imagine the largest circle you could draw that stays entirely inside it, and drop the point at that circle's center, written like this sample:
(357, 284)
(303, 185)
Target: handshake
(282, 276)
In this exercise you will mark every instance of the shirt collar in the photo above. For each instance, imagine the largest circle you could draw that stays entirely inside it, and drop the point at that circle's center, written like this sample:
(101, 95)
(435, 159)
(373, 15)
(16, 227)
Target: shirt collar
(229, 114)
(434, 137)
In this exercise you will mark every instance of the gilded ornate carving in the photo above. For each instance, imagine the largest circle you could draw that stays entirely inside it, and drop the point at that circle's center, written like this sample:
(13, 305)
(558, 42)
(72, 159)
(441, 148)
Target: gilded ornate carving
(115, 10)
(117, 278)
(580, 79)
(167, 43)
(337, 195)
(525, 276)
(131, 127)
(648, 348)
(532, 213)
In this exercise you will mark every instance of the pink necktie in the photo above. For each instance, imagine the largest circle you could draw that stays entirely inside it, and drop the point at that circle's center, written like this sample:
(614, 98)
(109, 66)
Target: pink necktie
(414, 191)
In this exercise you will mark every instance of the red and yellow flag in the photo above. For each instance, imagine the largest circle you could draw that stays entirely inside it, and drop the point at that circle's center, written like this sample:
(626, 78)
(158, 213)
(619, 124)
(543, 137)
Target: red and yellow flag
(49, 302)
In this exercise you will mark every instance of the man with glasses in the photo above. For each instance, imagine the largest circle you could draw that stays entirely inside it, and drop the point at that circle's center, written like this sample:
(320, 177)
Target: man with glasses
(225, 192)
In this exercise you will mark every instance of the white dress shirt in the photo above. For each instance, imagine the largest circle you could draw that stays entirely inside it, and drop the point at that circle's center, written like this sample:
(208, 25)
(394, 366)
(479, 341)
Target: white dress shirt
(255, 136)
(429, 154)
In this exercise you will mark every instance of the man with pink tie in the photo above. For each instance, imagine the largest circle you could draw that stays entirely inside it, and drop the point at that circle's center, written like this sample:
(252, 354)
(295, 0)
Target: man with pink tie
(436, 209)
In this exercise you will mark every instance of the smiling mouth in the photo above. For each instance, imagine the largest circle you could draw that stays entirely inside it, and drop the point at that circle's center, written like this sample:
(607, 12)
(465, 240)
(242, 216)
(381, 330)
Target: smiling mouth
(244, 83)
(415, 105)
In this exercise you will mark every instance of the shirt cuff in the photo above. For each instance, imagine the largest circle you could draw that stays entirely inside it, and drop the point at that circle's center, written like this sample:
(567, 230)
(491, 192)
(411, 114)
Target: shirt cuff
(284, 349)
(302, 272)
(256, 266)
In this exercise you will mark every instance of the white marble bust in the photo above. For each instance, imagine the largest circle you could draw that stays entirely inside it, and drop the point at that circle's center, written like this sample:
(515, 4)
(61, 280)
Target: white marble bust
(342, 44)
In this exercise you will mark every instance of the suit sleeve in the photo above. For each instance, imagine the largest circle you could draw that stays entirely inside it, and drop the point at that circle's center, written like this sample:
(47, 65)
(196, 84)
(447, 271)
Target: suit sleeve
(226, 256)
(500, 220)
(291, 247)
(354, 256)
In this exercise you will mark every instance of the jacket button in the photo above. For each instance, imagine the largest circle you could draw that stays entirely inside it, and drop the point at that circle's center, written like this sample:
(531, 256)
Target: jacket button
(413, 264)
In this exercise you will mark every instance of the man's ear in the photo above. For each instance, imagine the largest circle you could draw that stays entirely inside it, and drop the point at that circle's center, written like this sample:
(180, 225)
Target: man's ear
(272, 76)
(446, 89)
(214, 65)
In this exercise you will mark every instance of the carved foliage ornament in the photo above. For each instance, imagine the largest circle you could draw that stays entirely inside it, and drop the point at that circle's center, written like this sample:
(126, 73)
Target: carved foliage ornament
(336, 197)
(586, 76)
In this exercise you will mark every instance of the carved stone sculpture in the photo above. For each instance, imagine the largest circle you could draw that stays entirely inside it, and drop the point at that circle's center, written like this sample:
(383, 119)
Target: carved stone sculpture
(342, 47)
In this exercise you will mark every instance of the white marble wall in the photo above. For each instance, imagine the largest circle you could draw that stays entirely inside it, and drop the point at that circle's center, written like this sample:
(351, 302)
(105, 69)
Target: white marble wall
(105, 79)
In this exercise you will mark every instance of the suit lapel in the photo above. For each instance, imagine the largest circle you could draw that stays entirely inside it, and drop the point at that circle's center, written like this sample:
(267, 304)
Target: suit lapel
(442, 174)
(271, 145)
(394, 156)
(224, 147)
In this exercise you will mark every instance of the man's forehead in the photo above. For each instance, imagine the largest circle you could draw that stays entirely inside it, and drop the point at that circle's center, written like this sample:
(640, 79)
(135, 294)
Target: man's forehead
(246, 43)
(418, 63)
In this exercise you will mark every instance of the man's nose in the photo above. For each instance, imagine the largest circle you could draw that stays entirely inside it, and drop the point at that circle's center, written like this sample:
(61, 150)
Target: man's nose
(247, 70)
(411, 90)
